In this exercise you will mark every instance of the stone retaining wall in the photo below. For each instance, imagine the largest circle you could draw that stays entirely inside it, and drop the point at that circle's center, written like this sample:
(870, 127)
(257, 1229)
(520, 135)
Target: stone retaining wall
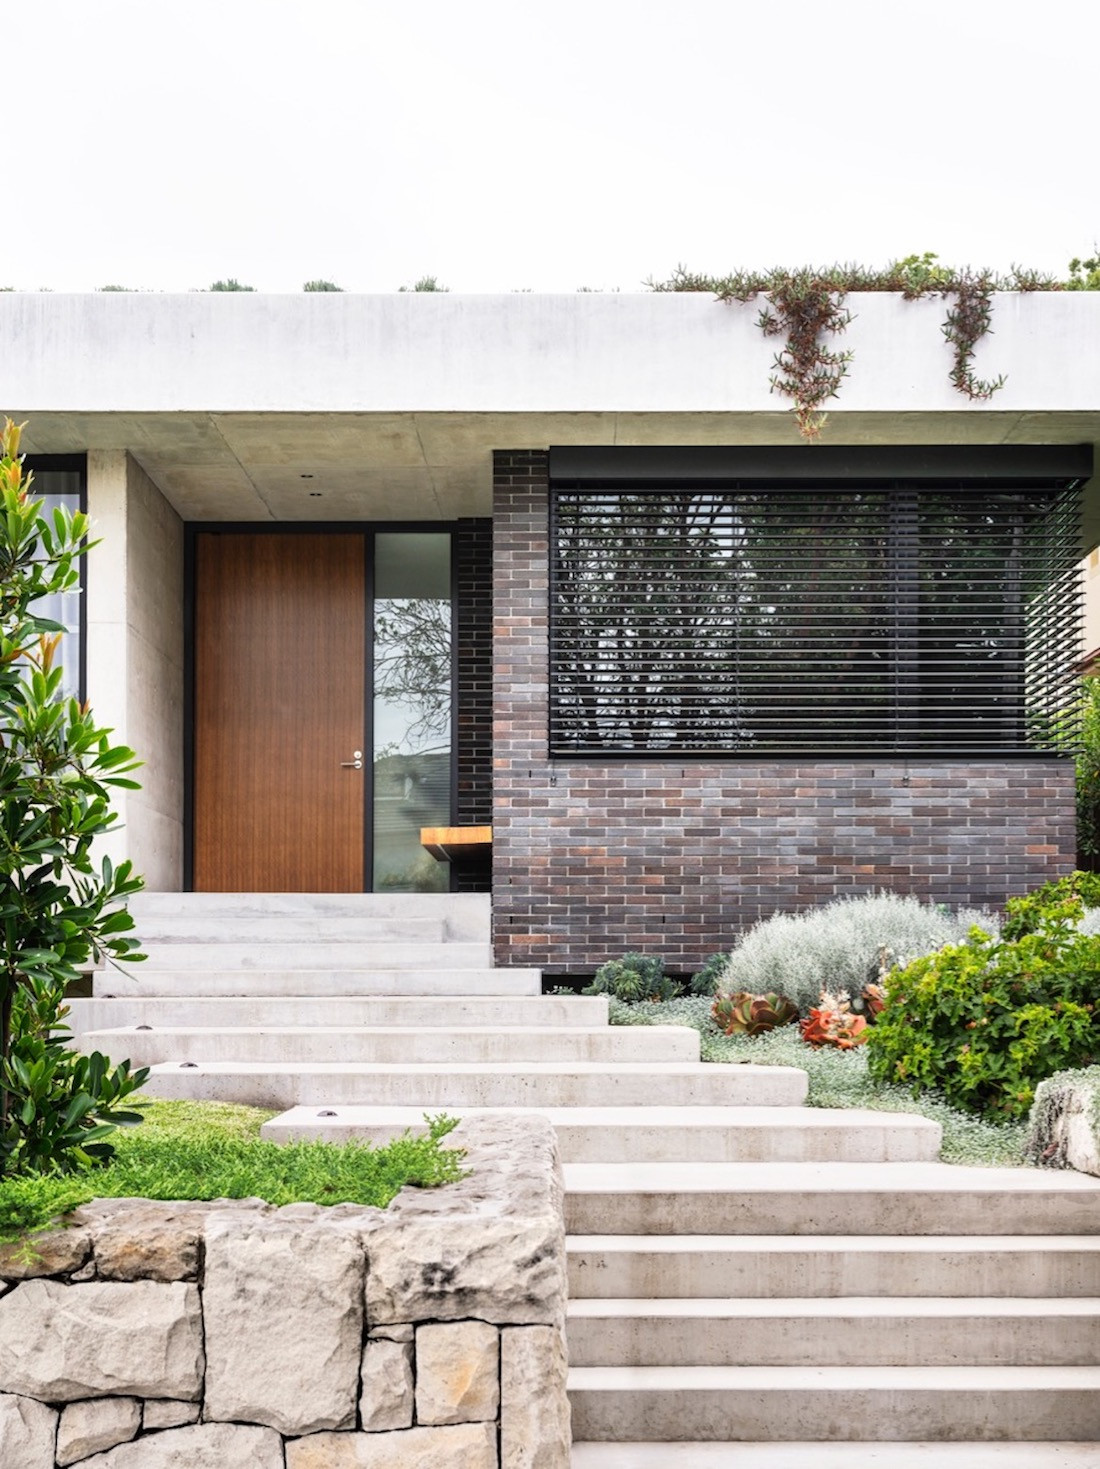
(429, 1335)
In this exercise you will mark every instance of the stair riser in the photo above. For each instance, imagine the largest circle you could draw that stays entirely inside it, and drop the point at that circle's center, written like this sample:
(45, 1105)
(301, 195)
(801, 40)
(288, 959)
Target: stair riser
(391, 953)
(338, 983)
(148, 1048)
(728, 1085)
(853, 1414)
(741, 1144)
(223, 929)
(802, 1341)
(823, 1272)
(868, 1212)
(443, 1012)
(457, 910)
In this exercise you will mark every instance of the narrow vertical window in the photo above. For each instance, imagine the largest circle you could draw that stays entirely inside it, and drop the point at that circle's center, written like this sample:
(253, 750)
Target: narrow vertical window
(412, 706)
(57, 487)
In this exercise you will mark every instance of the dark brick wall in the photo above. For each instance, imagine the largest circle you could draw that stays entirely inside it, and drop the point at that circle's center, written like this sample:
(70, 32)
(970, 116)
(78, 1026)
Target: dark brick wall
(473, 705)
(592, 858)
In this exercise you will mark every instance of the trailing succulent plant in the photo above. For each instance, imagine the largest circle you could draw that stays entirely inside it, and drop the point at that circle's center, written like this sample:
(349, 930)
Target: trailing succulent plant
(747, 1014)
(706, 980)
(635, 977)
(832, 1023)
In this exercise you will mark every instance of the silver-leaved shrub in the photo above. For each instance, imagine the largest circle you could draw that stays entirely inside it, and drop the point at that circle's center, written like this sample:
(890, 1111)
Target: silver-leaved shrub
(839, 945)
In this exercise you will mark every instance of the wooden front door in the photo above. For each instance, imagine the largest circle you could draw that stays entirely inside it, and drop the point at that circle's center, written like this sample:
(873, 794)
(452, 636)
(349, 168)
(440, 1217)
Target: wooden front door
(279, 708)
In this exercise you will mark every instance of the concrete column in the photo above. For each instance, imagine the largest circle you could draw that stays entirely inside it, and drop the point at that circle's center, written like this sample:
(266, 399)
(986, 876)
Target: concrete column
(135, 656)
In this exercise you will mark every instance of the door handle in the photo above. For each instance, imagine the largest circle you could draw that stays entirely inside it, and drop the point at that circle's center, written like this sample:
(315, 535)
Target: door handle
(354, 764)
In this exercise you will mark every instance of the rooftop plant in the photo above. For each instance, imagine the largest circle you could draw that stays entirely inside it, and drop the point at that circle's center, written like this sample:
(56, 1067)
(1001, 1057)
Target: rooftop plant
(806, 308)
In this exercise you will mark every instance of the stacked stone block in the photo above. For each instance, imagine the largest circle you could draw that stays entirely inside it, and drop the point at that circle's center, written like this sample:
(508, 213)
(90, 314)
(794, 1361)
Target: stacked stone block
(150, 1335)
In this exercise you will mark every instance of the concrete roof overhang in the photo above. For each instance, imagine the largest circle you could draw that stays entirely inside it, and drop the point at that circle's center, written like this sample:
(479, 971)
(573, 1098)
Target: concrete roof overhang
(340, 407)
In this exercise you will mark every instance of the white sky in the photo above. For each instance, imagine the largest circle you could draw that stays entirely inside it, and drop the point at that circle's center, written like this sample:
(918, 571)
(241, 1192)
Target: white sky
(501, 146)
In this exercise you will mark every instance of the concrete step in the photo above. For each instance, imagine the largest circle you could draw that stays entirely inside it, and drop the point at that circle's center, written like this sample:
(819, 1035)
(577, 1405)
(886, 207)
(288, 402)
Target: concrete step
(825, 1198)
(733, 1404)
(394, 1046)
(289, 928)
(421, 1012)
(389, 953)
(490, 1084)
(876, 1331)
(655, 1134)
(702, 1265)
(140, 980)
(876, 1455)
(452, 908)
(461, 916)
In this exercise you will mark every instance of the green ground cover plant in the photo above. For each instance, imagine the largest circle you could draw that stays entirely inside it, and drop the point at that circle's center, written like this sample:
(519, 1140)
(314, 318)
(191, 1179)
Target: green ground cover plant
(209, 1150)
(838, 1079)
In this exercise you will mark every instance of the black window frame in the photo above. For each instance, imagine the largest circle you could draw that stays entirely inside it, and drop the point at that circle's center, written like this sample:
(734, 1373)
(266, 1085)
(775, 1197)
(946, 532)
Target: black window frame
(914, 482)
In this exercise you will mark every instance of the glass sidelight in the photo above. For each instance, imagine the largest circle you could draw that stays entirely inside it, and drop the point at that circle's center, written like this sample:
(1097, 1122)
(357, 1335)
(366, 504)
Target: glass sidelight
(412, 695)
(63, 488)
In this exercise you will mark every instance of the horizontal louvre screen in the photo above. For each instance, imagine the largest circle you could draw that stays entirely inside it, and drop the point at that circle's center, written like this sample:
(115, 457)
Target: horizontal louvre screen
(888, 618)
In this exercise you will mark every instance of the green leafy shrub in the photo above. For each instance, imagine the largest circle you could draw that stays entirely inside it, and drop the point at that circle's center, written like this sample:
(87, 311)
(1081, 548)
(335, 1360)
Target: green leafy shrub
(1087, 762)
(635, 977)
(1064, 898)
(707, 979)
(839, 946)
(62, 1105)
(984, 1021)
(57, 772)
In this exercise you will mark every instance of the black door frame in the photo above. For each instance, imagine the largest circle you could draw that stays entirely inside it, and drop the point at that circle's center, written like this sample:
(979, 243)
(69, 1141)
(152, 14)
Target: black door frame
(368, 530)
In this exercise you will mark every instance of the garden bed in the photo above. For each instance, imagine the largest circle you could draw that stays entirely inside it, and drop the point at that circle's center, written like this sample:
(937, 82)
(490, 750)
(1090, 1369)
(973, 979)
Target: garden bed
(236, 1332)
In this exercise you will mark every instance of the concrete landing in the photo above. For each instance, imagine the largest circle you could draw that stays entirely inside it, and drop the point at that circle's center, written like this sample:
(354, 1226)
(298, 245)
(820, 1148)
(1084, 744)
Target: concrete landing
(487, 1084)
(661, 1134)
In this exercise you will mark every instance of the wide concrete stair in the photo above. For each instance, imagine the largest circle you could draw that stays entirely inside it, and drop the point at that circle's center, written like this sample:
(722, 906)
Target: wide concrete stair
(913, 1312)
(753, 1283)
(386, 1001)
(269, 945)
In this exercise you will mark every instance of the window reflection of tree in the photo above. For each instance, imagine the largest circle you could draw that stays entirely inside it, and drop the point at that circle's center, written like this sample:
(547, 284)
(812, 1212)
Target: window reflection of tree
(412, 670)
